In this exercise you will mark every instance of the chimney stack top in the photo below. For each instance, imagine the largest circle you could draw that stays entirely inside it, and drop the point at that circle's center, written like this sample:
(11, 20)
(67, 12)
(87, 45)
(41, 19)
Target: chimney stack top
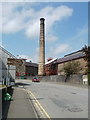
(42, 19)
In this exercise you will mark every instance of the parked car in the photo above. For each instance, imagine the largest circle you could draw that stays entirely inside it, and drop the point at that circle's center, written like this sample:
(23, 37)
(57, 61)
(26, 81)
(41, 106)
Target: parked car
(35, 79)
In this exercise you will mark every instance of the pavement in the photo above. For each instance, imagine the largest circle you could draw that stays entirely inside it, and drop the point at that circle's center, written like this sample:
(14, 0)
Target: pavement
(20, 106)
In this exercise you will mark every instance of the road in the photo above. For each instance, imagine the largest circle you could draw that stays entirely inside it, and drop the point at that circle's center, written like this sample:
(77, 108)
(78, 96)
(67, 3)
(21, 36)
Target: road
(59, 101)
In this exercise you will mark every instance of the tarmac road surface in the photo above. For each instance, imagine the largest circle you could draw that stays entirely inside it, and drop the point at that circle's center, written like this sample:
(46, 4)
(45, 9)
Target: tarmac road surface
(60, 101)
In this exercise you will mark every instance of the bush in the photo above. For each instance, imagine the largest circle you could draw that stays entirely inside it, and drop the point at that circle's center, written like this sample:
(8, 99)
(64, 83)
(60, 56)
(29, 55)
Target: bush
(72, 68)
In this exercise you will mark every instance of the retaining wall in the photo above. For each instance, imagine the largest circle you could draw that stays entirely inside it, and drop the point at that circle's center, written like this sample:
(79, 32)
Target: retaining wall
(62, 78)
(76, 78)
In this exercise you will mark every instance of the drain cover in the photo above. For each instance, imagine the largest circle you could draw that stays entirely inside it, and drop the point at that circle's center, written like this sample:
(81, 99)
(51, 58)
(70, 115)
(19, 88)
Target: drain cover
(75, 109)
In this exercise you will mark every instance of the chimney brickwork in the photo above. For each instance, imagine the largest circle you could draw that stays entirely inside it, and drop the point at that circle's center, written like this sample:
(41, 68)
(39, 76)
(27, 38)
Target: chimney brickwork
(41, 69)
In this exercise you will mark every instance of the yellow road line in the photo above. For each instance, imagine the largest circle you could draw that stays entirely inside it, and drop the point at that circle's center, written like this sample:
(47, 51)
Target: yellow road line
(39, 105)
(40, 108)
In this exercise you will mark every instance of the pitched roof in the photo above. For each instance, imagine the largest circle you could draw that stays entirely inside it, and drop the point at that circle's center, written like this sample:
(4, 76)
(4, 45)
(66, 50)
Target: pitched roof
(11, 55)
(72, 56)
(31, 64)
(51, 61)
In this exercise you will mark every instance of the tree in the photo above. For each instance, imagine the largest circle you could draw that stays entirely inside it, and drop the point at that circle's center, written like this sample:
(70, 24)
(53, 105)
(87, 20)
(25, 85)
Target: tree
(86, 50)
(72, 68)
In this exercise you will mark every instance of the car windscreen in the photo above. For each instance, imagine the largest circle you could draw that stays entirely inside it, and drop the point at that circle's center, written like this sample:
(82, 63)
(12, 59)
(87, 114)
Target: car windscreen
(35, 78)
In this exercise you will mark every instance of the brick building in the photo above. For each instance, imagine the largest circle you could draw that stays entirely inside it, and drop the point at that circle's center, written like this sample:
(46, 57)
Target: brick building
(31, 69)
(55, 66)
(20, 65)
(27, 69)
(51, 67)
(75, 56)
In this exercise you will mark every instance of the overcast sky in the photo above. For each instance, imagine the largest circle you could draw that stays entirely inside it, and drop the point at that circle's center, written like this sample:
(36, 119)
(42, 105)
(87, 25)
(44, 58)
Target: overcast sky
(66, 27)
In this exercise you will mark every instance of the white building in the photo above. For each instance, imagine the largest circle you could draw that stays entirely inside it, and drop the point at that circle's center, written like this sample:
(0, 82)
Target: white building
(7, 72)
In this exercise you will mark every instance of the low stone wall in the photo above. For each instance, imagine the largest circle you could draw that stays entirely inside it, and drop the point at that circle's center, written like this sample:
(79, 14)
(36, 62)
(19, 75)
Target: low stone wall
(76, 78)
(62, 78)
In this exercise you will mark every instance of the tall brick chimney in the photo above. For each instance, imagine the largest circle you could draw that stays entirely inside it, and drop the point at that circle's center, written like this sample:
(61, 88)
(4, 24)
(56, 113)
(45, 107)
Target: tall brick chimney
(41, 70)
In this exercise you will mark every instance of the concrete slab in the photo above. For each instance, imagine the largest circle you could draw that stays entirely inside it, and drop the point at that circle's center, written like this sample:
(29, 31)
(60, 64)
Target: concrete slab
(20, 106)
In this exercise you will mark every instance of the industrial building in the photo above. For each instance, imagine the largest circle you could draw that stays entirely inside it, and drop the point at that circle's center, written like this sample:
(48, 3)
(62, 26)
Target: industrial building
(51, 67)
(75, 56)
(7, 71)
(11, 67)
(55, 66)
(29, 69)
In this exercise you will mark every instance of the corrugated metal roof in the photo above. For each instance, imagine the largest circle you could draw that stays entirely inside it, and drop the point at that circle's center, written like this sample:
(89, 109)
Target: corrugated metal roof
(31, 64)
(73, 53)
(71, 57)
